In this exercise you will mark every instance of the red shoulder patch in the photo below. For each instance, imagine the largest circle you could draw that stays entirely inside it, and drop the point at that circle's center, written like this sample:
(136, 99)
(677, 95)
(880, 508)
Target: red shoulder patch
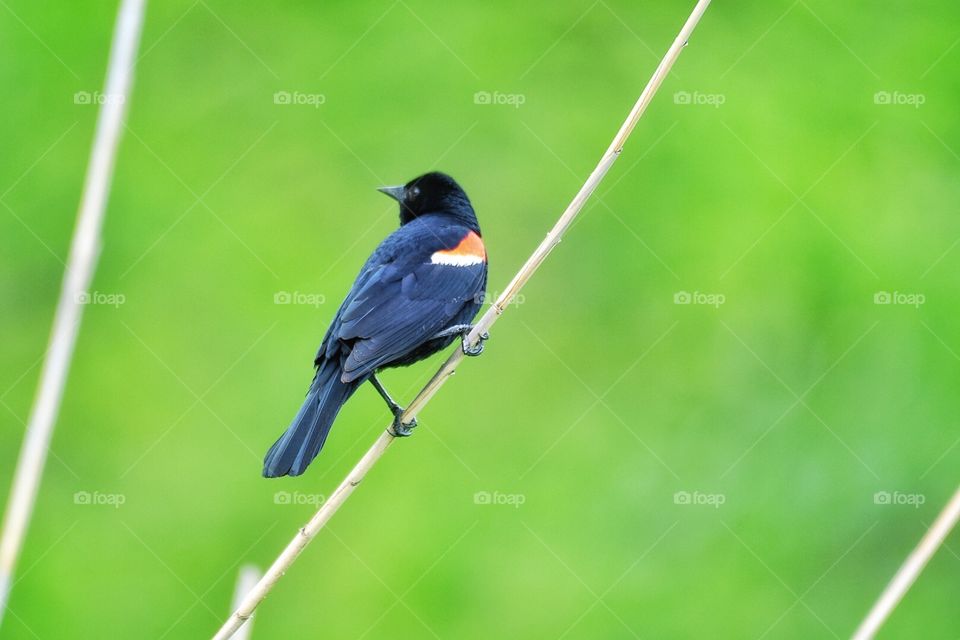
(469, 251)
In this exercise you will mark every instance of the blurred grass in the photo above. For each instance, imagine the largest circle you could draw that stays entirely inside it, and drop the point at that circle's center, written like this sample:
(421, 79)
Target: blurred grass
(598, 398)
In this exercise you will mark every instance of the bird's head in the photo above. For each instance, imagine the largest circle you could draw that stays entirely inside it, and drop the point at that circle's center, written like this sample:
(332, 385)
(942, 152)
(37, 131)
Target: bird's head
(435, 193)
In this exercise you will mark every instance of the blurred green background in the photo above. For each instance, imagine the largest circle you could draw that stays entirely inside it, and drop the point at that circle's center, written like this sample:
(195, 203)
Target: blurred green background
(753, 464)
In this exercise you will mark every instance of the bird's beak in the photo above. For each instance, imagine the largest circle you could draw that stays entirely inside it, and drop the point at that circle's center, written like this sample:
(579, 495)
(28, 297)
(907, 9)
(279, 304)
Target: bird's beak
(394, 192)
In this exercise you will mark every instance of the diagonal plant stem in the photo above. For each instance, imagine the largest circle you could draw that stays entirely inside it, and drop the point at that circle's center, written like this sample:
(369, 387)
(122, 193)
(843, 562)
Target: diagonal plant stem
(357, 474)
(84, 250)
(910, 570)
(247, 578)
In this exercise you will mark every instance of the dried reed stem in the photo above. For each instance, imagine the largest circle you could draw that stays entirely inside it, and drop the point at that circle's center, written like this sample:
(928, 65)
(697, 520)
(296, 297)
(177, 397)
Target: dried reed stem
(84, 251)
(912, 566)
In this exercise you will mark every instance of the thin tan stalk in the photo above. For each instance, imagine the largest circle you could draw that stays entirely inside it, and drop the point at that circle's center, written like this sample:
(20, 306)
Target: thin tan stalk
(84, 251)
(342, 492)
(910, 570)
(247, 579)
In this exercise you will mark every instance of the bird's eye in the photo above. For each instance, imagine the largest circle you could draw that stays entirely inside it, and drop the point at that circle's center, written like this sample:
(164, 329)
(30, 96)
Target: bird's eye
(413, 192)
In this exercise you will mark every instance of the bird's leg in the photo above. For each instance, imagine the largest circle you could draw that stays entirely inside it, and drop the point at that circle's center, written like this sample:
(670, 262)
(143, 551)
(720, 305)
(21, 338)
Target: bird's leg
(399, 429)
(464, 330)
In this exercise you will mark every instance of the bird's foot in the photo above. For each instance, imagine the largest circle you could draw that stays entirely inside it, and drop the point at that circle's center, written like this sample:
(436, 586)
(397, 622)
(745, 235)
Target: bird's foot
(474, 350)
(400, 429)
(463, 330)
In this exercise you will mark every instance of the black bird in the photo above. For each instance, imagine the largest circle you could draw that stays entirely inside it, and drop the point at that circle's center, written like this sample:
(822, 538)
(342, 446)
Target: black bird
(415, 294)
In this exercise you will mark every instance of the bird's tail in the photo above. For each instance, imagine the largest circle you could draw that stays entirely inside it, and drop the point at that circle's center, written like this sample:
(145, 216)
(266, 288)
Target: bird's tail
(303, 439)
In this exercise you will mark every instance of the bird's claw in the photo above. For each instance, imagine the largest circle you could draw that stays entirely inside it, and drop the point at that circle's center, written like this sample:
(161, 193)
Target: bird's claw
(402, 429)
(476, 349)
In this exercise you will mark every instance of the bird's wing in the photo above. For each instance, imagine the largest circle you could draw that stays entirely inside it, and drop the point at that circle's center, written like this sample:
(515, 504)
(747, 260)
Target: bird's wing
(397, 305)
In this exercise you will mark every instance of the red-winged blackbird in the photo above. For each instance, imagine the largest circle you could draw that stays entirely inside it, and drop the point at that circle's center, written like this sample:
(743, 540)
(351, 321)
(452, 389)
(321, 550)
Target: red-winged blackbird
(413, 297)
